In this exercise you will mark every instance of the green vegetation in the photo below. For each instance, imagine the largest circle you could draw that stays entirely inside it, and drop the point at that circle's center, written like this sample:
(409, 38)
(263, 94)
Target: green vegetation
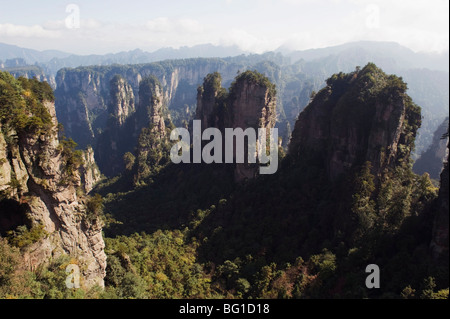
(95, 208)
(161, 265)
(129, 160)
(22, 103)
(73, 157)
(22, 236)
(45, 282)
(147, 91)
(152, 155)
(256, 78)
(330, 230)
(191, 232)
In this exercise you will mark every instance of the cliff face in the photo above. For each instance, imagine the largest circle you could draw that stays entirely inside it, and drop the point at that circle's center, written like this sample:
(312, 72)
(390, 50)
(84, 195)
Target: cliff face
(212, 103)
(440, 240)
(358, 117)
(120, 132)
(151, 104)
(250, 103)
(128, 122)
(39, 186)
(29, 72)
(152, 143)
(80, 105)
(84, 99)
(89, 172)
(122, 100)
(431, 160)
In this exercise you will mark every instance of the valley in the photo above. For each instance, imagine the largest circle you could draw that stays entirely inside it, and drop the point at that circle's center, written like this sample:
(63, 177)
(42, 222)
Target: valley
(87, 177)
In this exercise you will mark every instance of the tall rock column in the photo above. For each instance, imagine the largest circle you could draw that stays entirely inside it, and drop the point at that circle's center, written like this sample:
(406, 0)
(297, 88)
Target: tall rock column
(152, 147)
(362, 116)
(440, 240)
(122, 100)
(250, 103)
(39, 188)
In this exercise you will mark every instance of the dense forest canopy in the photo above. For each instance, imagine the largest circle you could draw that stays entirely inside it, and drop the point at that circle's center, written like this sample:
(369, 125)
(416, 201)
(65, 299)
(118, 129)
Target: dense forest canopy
(191, 231)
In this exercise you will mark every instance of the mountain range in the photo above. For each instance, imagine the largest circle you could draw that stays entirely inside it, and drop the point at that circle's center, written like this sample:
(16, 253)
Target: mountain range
(425, 73)
(344, 195)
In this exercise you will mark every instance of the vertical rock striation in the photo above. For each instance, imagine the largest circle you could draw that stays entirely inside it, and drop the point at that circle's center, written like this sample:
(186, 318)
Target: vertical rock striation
(89, 172)
(122, 100)
(128, 120)
(250, 103)
(431, 160)
(440, 240)
(40, 186)
(84, 100)
(358, 117)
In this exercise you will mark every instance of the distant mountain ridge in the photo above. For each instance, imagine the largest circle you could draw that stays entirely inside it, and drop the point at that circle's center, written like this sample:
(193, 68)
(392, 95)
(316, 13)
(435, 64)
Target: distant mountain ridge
(52, 60)
(8, 51)
(296, 74)
(389, 55)
(400, 56)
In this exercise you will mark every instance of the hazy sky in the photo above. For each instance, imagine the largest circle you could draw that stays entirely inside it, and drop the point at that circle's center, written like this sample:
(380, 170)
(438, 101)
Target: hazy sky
(86, 27)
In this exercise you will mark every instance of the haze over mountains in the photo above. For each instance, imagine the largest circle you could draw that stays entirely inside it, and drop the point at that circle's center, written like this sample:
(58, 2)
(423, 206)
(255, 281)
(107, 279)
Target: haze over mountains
(425, 73)
(390, 52)
(52, 61)
(134, 163)
(140, 226)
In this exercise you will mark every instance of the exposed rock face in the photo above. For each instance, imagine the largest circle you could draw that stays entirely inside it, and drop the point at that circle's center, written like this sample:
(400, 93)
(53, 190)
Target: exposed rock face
(78, 102)
(211, 103)
(120, 133)
(431, 160)
(89, 171)
(358, 117)
(122, 99)
(5, 167)
(151, 103)
(440, 240)
(250, 103)
(31, 71)
(253, 104)
(84, 99)
(150, 124)
(126, 122)
(47, 195)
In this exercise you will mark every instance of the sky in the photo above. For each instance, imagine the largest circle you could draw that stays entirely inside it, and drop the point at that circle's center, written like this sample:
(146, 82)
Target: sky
(99, 27)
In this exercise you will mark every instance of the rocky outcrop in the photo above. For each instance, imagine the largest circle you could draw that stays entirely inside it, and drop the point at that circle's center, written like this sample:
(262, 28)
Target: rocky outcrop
(151, 106)
(29, 72)
(253, 101)
(358, 117)
(122, 99)
(89, 172)
(37, 187)
(431, 160)
(127, 122)
(440, 238)
(211, 103)
(151, 116)
(250, 103)
(84, 100)
(120, 133)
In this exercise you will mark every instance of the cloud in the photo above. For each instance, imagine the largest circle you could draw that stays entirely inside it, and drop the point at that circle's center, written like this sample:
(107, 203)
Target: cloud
(161, 24)
(295, 24)
(14, 30)
(419, 25)
(167, 25)
(190, 25)
(248, 41)
(90, 24)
